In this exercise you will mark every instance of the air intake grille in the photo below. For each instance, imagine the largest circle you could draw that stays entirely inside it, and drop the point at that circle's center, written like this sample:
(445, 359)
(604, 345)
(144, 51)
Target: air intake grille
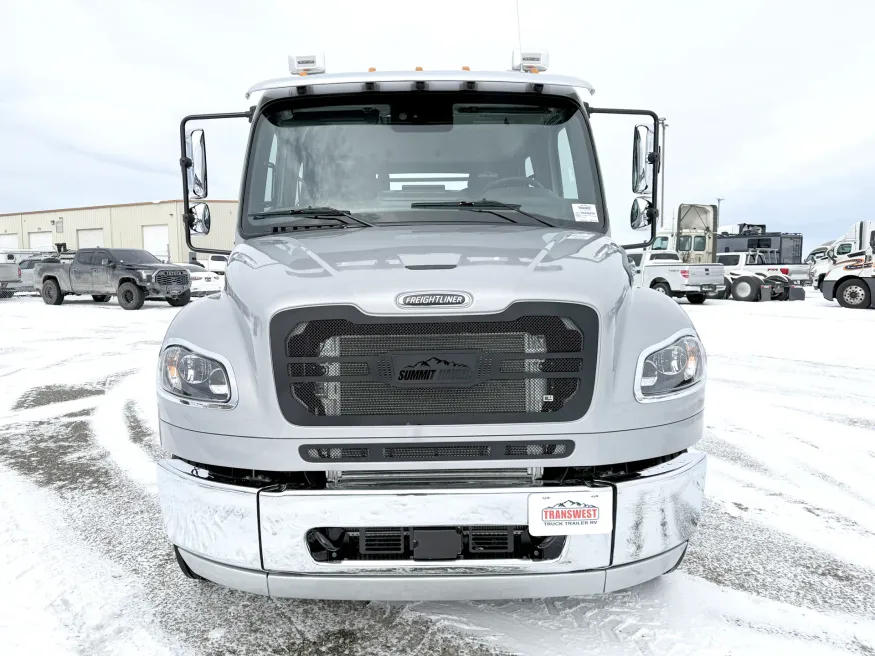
(171, 277)
(383, 541)
(491, 539)
(338, 453)
(535, 362)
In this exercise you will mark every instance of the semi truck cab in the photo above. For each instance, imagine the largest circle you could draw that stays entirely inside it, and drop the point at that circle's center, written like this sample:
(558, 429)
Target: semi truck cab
(851, 277)
(429, 375)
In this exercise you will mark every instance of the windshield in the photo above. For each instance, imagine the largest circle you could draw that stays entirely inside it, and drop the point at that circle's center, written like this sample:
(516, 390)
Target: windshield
(126, 256)
(375, 155)
(684, 242)
(660, 244)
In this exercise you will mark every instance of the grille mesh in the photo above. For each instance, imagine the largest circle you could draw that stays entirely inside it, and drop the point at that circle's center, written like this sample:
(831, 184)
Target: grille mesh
(565, 365)
(338, 453)
(171, 277)
(533, 450)
(437, 452)
(332, 339)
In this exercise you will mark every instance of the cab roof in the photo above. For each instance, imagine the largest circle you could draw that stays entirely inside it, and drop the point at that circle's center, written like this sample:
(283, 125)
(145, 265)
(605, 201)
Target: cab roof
(456, 80)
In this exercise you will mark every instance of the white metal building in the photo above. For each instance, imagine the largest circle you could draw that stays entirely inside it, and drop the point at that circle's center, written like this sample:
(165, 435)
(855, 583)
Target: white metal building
(156, 227)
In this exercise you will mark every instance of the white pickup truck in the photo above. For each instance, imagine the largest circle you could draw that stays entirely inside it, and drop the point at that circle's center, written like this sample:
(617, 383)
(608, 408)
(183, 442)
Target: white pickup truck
(664, 272)
(749, 273)
(10, 274)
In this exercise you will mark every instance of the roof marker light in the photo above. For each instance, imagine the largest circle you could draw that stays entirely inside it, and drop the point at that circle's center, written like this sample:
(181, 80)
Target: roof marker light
(307, 64)
(530, 61)
(418, 68)
(372, 70)
(466, 68)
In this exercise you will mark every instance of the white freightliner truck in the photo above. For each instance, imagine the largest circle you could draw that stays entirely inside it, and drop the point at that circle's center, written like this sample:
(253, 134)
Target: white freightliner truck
(429, 375)
(851, 279)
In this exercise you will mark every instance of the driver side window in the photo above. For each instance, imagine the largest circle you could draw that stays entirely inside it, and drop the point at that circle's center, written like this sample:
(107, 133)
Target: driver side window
(843, 249)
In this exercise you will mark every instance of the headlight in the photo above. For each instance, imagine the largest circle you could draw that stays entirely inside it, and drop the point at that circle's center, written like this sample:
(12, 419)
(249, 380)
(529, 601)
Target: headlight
(189, 375)
(671, 369)
(147, 275)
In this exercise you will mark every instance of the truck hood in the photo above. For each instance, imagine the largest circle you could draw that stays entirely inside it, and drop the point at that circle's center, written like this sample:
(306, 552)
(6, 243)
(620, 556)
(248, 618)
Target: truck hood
(369, 267)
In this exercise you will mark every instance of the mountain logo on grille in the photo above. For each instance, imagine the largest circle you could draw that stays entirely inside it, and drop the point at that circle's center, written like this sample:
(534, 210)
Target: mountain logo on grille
(434, 368)
(434, 299)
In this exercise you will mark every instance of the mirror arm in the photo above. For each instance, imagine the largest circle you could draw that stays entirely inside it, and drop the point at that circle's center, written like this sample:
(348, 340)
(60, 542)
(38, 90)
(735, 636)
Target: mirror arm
(655, 154)
(184, 164)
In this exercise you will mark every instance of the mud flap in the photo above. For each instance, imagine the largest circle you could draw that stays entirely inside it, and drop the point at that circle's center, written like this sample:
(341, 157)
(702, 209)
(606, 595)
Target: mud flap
(796, 293)
(765, 293)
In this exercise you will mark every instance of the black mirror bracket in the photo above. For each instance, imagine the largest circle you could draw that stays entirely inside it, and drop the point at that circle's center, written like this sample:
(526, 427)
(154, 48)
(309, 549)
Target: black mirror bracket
(185, 163)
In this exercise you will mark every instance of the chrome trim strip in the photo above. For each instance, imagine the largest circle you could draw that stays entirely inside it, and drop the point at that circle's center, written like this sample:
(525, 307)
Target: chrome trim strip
(437, 588)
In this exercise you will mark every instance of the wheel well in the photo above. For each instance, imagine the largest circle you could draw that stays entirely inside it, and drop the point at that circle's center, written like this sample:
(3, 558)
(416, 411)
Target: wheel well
(47, 278)
(841, 281)
(656, 281)
(122, 281)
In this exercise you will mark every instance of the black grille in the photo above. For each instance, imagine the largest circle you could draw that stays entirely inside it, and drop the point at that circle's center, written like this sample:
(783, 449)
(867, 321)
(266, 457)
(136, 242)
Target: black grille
(337, 544)
(491, 539)
(336, 366)
(436, 451)
(171, 278)
(337, 453)
(384, 541)
(534, 450)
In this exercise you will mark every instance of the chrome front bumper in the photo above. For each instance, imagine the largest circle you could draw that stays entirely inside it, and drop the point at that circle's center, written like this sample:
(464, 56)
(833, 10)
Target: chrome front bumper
(255, 540)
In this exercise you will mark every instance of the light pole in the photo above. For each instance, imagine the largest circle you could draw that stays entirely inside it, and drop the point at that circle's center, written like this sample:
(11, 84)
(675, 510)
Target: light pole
(719, 200)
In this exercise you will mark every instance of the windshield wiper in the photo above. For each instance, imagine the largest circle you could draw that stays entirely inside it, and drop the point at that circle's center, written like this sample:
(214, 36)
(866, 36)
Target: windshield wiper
(484, 205)
(329, 213)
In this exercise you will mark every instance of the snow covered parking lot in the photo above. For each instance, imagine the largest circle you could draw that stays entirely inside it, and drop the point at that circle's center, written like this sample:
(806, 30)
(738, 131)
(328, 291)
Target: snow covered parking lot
(784, 560)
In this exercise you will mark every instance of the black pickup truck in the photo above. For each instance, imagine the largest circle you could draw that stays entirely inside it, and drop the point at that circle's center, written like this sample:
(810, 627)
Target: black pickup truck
(133, 276)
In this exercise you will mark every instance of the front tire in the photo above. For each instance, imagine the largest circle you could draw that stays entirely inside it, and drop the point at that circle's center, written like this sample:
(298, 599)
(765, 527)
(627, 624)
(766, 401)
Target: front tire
(696, 299)
(854, 294)
(51, 293)
(131, 297)
(662, 288)
(100, 298)
(180, 300)
(746, 288)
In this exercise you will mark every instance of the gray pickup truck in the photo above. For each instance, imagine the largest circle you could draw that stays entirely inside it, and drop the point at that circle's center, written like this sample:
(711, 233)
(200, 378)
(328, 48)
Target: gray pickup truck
(134, 276)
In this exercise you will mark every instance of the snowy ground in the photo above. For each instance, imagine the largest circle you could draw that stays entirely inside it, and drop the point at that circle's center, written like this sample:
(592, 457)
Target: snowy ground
(784, 561)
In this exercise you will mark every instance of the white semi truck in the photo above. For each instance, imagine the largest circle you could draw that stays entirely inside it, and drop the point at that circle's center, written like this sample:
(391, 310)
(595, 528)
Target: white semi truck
(851, 278)
(429, 375)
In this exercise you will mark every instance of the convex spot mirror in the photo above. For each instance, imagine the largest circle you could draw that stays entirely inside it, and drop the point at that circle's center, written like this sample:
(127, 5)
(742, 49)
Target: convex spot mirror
(642, 168)
(196, 151)
(200, 219)
(639, 217)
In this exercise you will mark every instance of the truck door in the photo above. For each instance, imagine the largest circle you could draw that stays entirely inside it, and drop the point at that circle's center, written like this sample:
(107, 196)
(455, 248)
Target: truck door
(100, 271)
(80, 272)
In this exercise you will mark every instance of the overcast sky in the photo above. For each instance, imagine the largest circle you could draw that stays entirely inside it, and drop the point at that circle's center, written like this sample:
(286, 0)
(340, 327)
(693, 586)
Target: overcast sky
(769, 103)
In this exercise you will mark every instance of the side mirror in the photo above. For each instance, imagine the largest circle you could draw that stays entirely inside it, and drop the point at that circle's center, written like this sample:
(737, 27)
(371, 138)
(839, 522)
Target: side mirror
(872, 240)
(640, 217)
(642, 168)
(200, 219)
(196, 151)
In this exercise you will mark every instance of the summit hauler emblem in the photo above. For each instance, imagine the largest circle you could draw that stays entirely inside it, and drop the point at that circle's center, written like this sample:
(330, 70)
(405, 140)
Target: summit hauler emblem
(434, 299)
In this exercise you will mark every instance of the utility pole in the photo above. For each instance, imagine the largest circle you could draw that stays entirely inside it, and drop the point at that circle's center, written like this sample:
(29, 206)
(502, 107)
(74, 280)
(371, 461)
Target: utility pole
(664, 125)
(719, 200)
